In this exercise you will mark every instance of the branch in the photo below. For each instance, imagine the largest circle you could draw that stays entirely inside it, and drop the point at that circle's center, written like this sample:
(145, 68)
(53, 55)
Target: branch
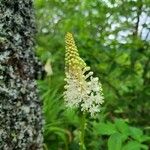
(139, 11)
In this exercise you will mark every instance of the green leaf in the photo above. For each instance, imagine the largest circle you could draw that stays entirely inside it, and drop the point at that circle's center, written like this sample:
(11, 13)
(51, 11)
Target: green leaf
(122, 126)
(115, 141)
(145, 138)
(136, 133)
(144, 147)
(39, 3)
(132, 145)
(105, 129)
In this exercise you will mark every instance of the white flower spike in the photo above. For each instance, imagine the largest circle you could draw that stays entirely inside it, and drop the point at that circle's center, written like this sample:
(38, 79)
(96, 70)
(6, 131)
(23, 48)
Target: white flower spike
(82, 90)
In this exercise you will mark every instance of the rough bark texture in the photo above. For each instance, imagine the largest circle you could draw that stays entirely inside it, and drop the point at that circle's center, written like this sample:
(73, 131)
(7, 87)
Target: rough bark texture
(20, 108)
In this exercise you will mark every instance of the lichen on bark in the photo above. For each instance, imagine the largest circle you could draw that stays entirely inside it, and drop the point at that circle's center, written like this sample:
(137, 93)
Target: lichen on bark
(20, 108)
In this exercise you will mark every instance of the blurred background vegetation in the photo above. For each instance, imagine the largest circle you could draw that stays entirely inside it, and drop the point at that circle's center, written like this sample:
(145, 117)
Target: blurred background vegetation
(113, 38)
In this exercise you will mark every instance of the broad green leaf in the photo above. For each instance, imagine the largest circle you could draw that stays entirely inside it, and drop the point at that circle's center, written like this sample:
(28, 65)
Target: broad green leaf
(144, 147)
(132, 145)
(136, 133)
(115, 141)
(122, 126)
(145, 138)
(105, 129)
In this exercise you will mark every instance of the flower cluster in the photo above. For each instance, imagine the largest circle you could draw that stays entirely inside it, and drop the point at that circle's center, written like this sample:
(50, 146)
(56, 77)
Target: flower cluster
(82, 90)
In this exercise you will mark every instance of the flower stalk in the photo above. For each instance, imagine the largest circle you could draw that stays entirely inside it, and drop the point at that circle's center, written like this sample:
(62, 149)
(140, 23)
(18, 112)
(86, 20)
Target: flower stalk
(82, 90)
(83, 125)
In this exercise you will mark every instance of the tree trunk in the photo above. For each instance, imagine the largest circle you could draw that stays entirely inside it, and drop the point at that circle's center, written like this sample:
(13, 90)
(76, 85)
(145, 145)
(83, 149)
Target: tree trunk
(20, 108)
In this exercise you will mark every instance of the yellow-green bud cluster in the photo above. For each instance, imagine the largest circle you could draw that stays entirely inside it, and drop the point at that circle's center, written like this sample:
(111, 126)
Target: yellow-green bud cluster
(72, 59)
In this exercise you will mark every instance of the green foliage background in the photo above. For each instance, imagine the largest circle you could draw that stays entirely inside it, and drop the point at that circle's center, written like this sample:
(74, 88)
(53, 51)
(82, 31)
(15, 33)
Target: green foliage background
(113, 38)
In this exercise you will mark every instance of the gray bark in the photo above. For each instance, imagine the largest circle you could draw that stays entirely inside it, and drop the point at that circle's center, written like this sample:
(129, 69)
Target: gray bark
(20, 107)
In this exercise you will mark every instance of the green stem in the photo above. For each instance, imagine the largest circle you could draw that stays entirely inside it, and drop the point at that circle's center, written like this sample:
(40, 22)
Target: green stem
(83, 122)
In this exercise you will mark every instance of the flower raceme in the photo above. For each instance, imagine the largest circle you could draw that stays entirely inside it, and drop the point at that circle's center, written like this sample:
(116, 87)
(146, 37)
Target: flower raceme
(82, 90)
